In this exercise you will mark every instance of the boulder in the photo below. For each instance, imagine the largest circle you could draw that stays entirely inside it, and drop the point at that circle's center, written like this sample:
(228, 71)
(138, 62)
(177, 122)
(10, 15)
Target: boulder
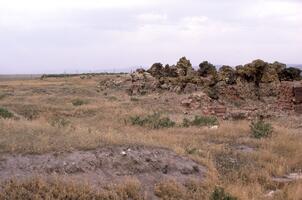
(170, 71)
(207, 69)
(290, 74)
(184, 67)
(190, 88)
(156, 70)
(227, 74)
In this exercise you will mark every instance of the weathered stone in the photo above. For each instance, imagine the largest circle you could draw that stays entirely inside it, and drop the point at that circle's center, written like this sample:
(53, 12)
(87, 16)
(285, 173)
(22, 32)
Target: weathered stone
(290, 74)
(184, 67)
(207, 69)
(196, 100)
(190, 88)
(156, 70)
(227, 74)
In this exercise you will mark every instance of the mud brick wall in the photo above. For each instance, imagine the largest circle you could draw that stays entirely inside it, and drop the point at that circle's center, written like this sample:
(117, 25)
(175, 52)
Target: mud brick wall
(286, 96)
(298, 99)
(298, 94)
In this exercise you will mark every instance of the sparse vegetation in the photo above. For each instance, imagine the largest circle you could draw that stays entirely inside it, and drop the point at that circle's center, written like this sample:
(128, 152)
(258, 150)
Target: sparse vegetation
(134, 99)
(59, 122)
(261, 129)
(38, 188)
(220, 194)
(4, 113)
(200, 121)
(60, 127)
(79, 102)
(154, 121)
(112, 98)
(29, 112)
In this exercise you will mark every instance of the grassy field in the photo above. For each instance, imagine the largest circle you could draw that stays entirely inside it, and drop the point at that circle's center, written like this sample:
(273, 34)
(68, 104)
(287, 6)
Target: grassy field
(68, 114)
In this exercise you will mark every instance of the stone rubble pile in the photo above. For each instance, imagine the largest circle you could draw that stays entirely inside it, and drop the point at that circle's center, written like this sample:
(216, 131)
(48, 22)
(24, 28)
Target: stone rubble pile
(254, 81)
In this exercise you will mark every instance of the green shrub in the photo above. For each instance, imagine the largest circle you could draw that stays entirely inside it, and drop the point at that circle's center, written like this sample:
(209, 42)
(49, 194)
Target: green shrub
(220, 194)
(4, 113)
(200, 121)
(154, 121)
(260, 129)
(78, 102)
(186, 122)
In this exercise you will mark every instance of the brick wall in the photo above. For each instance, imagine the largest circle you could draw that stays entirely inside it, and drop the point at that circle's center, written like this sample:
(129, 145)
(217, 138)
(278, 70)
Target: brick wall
(290, 97)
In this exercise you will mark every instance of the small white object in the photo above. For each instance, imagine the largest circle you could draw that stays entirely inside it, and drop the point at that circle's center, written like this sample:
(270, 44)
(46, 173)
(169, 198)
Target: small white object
(214, 127)
(123, 153)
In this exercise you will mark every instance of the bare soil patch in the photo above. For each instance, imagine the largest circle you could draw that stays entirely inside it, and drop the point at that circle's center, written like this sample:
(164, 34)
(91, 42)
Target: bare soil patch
(105, 165)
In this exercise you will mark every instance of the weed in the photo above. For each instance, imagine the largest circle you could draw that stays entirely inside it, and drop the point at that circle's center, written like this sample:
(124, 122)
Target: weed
(192, 151)
(4, 113)
(59, 122)
(220, 194)
(78, 102)
(200, 121)
(112, 98)
(29, 112)
(154, 121)
(38, 188)
(134, 99)
(260, 129)
(186, 122)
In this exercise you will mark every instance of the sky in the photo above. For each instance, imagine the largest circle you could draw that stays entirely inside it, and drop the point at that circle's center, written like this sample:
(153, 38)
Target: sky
(56, 36)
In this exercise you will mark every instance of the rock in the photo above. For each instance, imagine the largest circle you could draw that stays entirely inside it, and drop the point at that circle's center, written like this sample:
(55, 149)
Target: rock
(184, 67)
(123, 153)
(170, 71)
(290, 74)
(227, 74)
(207, 69)
(186, 102)
(214, 127)
(156, 70)
(196, 100)
(288, 178)
(190, 88)
(140, 70)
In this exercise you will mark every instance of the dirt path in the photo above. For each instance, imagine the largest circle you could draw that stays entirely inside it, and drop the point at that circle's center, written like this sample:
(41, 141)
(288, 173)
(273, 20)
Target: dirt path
(103, 165)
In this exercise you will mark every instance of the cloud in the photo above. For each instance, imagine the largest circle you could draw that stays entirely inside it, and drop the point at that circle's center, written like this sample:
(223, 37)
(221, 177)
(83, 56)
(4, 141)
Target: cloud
(71, 34)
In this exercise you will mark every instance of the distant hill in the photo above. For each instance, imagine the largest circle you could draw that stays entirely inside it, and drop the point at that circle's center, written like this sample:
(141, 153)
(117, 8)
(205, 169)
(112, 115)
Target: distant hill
(295, 65)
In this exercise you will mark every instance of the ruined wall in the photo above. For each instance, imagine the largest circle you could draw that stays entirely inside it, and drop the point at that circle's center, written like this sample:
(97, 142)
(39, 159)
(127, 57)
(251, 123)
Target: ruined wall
(290, 96)
(298, 98)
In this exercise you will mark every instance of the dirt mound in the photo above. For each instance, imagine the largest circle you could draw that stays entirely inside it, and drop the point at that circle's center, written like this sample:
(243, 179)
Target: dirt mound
(104, 165)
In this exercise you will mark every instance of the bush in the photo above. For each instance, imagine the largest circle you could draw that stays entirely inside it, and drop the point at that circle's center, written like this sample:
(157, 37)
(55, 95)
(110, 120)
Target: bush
(260, 129)
(4, 113)
(30, 112)
(200, 121)
(219, 194)
(154, 121)
(78, 102)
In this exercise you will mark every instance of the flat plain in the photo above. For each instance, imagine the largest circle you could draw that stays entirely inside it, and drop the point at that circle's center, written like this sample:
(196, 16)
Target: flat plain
(67, 139)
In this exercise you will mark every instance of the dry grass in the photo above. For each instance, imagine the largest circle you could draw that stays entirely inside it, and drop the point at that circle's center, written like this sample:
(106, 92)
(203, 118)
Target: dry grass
(39, 188)
(60, 126)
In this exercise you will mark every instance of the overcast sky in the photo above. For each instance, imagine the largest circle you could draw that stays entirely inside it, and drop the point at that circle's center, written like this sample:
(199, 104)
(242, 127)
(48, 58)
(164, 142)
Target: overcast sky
(51, 36)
